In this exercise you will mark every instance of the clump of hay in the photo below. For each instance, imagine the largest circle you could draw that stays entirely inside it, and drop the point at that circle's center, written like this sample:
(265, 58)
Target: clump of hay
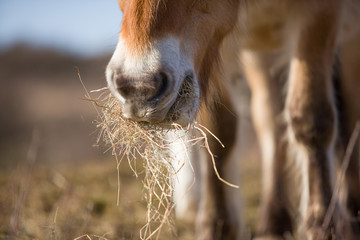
(129, 139)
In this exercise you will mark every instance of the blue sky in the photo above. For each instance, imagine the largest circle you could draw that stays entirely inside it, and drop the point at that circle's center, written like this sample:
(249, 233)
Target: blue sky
(83, 27)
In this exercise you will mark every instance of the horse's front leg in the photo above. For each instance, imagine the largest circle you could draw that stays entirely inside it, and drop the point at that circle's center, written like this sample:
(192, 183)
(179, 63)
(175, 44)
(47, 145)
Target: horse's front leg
(312, 116)
(218, 216)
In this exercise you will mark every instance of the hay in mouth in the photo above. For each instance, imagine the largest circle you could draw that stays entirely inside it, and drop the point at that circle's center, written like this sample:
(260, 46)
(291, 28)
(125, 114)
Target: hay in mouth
(129, 140)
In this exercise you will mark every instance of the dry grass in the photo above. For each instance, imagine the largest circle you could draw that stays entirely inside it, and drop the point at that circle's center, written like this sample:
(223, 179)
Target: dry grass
(78, 201)
(70, 202)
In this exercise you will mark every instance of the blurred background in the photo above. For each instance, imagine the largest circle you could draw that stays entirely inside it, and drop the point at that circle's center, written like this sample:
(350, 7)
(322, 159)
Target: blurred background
(42, 42)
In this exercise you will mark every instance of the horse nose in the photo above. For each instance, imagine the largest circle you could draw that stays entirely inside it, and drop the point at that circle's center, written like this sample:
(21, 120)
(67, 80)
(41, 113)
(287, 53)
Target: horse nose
(151, 88)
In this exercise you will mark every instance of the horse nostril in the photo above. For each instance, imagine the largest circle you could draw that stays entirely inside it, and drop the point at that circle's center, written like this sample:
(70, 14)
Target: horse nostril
(163, 82)
(124, 86)
(149, 88)
(126, 91)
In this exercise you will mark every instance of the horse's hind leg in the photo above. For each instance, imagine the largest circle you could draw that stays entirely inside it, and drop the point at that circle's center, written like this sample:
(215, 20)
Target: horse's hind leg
(266, 107)
(312, 117)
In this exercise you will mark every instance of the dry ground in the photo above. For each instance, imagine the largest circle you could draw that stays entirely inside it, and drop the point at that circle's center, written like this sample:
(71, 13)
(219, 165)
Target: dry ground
(53, 183)
(70, 200)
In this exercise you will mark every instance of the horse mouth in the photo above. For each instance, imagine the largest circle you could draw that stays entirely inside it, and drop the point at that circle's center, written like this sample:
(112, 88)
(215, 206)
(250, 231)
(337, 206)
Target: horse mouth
(184, 108)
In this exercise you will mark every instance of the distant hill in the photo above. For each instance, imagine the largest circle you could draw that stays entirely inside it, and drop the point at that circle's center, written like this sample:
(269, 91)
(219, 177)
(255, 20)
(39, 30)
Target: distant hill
(40, 89)
(23, 60)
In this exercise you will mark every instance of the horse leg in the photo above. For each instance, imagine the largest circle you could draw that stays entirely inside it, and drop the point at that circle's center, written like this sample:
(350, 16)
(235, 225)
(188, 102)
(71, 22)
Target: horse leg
(216, 219)
(311, 114)
(266, 107)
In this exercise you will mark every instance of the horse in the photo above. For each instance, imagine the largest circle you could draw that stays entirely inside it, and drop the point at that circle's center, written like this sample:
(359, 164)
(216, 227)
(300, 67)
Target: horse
(286, 51)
